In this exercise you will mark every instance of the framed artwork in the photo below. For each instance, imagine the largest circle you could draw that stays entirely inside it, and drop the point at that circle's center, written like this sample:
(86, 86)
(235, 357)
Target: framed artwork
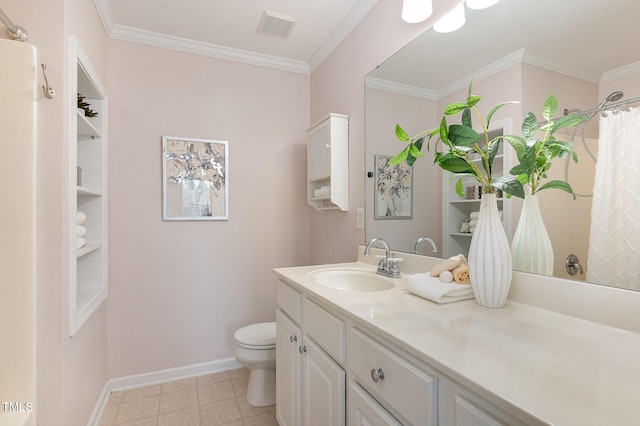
(394, 189)
(195, 179)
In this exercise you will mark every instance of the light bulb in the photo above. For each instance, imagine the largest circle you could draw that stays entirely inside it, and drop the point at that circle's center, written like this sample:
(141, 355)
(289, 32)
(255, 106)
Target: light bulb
(451, 21)
(480, 4)
(414, 11)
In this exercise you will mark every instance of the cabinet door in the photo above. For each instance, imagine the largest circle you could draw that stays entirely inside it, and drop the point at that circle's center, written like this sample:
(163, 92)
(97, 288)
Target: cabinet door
(362, 410)
(323, 388)
(288, 371)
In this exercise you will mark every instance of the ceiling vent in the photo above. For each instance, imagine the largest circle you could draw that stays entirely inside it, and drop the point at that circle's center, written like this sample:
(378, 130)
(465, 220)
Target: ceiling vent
(276, 24)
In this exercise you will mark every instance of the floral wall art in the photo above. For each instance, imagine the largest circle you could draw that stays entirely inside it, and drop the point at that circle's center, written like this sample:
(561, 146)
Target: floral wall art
(394, 189)
(195, 179)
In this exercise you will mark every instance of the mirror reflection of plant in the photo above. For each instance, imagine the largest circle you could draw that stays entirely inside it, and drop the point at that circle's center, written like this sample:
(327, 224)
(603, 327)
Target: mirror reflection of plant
(461, 144)
(535, 156)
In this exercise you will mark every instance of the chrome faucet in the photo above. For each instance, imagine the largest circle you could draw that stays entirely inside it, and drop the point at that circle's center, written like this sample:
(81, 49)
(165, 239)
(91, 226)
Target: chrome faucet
(388, 264)
(434, 248)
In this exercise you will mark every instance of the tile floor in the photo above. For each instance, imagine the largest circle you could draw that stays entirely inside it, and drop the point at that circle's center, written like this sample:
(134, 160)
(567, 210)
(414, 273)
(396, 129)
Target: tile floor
(211, 400)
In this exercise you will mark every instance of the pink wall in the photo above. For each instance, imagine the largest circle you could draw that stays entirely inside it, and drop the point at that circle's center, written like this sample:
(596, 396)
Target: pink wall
(187, 286)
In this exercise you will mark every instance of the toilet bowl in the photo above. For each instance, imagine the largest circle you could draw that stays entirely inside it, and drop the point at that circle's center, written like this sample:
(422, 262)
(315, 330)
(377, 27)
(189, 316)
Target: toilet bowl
(256, 350)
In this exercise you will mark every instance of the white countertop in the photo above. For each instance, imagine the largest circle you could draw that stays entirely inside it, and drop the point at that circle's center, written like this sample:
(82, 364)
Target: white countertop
(552, 368)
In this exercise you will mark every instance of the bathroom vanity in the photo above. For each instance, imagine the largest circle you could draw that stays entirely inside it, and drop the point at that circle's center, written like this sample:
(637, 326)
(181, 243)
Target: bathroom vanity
(350, 356)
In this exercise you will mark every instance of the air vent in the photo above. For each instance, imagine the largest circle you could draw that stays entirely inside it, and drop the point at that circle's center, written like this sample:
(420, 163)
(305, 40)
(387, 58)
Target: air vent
(276, 24)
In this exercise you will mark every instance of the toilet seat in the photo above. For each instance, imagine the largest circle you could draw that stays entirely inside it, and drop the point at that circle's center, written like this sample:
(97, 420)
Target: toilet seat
(260, 336)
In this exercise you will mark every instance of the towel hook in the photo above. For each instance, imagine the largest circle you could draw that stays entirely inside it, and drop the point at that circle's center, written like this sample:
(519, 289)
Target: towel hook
(49, 93)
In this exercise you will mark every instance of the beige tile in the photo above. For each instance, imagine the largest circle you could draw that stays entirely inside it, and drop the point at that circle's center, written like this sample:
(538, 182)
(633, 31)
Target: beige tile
(240, 372)
(186, 417)
(149, 421)
(215, 392)
(248, 410)
(108, 416)
(211, 422)
(138, 409)
(267, 419)
(213, 378)
(240, 386)
(178, 385)
(175, 401)
(115, 397)
(220, 412)
(143, 392)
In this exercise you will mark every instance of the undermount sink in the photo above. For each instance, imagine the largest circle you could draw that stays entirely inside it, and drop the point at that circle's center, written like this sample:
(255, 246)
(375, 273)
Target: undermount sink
(351, 280)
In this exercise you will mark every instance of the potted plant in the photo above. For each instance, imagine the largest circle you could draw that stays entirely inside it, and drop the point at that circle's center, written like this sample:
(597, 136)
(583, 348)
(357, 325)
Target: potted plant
(466, 152)
(531, 247)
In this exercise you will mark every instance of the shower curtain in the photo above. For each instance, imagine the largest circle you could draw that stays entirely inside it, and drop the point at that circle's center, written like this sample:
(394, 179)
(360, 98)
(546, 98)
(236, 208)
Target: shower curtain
(614, 241)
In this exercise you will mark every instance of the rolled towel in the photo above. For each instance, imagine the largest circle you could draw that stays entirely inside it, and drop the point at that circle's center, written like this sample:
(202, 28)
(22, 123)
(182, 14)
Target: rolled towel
(448, 265)
(472, 229)
(81, 231)
(473, 223)
(80, 242)
(325, 190)
(461, 274)
(446, 276)
(474, 215)
(317, 193)
(433, 289)
(80, 218)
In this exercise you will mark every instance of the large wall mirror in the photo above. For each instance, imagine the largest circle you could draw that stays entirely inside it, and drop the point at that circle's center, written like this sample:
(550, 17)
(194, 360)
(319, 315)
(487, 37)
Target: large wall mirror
(579, 50)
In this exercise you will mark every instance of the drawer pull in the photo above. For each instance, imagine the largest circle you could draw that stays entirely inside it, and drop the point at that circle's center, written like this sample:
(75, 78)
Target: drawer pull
(302, 349)
(293, 338)
(377, 375)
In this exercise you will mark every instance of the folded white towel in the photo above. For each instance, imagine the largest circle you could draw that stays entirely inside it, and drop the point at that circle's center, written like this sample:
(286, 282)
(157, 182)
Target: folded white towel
(435, 290)
(80, 218)
(474, 215)
(80, 242)
(81, 231)
(473, 223)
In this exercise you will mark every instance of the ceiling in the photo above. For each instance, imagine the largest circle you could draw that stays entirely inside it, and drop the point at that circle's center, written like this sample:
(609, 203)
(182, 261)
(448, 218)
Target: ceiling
(227, 28)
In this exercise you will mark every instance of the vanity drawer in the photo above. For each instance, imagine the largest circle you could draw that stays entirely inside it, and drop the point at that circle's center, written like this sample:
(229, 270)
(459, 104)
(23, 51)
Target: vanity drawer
(290, 301)
(397, 384)
(326, 329)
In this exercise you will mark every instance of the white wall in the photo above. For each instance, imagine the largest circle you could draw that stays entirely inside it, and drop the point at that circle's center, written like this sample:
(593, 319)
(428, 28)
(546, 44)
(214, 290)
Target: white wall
(178, 290)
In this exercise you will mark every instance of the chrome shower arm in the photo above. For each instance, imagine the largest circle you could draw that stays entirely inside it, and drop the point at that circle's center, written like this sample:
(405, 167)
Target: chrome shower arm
(15, 32)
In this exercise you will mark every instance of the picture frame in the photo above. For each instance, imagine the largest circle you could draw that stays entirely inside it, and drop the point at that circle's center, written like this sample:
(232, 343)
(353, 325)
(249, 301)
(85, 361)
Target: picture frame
(195, 179)
(393, 197)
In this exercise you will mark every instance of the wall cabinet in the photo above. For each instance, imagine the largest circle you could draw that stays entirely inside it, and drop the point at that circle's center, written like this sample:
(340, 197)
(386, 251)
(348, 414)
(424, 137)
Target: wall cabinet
(455, 209)
(87, 190)
(310, 384)
(328, 163)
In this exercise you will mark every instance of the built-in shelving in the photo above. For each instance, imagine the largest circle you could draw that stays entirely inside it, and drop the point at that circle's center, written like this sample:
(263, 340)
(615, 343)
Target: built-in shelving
(87, 190)
(328, 163)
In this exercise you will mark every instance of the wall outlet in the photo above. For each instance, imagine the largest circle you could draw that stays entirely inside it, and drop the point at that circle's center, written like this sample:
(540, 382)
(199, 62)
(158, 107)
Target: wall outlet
(360, 218)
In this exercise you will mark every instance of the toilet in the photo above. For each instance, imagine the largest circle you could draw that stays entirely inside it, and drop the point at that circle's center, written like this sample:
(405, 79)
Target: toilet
(256, 350)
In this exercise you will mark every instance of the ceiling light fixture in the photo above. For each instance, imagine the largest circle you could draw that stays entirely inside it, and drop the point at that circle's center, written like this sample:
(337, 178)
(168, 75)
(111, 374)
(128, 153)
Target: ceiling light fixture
(480, 4)
(452, 21)
(414, 11)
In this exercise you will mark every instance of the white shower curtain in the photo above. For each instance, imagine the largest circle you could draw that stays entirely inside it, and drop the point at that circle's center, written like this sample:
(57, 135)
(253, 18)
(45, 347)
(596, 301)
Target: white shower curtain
(614, 241)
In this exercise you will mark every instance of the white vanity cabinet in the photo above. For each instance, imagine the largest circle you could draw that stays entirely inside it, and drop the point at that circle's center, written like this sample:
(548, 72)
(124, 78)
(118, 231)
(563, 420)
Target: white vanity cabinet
(408, 392)
(328, 163)
(310, 354)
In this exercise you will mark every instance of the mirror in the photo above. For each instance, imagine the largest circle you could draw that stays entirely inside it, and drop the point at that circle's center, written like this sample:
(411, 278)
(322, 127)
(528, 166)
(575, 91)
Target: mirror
(581, 51)
(194, 175)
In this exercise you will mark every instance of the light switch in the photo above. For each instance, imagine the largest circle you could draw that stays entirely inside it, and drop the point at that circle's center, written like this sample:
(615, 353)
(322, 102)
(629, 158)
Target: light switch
(360, 218)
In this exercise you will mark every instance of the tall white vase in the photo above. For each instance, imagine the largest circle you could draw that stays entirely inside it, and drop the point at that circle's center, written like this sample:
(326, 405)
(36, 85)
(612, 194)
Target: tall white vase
(490, 264)
(531, 248)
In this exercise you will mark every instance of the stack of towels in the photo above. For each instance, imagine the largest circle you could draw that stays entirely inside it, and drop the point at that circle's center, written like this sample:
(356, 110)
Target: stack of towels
(323, 191)
(447, 282)
(81, 231)
(473, 220)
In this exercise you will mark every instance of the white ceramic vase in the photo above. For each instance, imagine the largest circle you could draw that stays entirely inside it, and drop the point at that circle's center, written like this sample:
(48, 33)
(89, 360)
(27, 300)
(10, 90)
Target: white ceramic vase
(490, 264)
(531, 249)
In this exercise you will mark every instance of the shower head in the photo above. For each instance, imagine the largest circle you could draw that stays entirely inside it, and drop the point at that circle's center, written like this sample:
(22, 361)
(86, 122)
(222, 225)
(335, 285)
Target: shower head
(614, 96)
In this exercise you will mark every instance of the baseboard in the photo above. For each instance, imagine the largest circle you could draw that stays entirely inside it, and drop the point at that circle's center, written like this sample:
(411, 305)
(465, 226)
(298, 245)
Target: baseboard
(156, 377)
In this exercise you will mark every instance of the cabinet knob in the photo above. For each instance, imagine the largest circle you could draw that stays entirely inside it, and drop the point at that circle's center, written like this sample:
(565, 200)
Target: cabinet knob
(293, 338)
(302, 349)
(377, 375)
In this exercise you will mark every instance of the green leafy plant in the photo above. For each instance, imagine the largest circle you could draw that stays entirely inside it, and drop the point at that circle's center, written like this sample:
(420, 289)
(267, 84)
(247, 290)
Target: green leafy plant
(82, 104)
(465, 152)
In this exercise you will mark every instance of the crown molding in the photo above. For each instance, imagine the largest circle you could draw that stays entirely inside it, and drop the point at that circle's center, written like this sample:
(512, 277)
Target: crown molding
(104, 12)
(343, 29)
(621, 72)
(401, 89)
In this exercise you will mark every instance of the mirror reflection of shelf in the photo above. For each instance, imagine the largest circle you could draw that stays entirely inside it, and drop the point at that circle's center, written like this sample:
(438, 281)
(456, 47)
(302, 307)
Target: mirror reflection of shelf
(86, 127)
(84, 191)
(87, 249)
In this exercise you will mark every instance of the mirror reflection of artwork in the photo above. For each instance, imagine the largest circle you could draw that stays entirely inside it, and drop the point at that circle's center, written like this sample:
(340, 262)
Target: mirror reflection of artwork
(195, 178)
(394, 194)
